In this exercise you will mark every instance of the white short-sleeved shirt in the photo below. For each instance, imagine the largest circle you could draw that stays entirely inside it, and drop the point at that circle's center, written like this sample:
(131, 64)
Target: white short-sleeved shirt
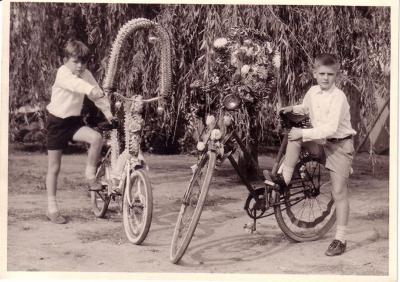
(329, 113)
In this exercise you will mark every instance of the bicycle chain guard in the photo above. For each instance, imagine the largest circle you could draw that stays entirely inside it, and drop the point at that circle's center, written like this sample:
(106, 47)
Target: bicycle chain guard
(256, 208)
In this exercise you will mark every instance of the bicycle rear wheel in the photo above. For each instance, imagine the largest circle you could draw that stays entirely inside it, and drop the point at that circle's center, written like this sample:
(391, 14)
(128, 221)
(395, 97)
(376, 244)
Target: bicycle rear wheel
(192, 206)
(100, 199)
(306, 211)
(137, 207)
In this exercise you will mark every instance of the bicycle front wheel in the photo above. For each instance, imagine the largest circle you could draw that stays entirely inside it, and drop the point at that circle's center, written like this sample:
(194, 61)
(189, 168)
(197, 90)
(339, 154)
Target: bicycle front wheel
(192, 206)
(306, 210)
(137, 206)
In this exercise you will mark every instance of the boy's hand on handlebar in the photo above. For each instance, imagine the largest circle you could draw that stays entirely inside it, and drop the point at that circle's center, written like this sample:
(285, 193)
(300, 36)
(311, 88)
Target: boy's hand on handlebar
(295, 134)
(96, 93)
(113, 122)
(286, 110)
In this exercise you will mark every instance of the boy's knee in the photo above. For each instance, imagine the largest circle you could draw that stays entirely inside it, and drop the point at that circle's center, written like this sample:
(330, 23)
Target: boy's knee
(340, 194)
(54, 169)
(96, 139)
(295, 143)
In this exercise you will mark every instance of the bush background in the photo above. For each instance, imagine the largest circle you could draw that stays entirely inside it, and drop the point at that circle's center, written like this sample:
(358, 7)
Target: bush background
(359, 36)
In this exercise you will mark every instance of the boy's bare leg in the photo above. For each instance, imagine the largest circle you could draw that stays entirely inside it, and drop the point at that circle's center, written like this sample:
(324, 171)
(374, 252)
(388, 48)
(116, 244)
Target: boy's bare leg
(340, 195)
(293, 150)
(88, 135)
(54, 164)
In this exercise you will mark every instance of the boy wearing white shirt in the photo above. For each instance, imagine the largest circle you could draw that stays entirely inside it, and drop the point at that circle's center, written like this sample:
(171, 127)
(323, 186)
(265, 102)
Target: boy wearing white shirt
(64, 122)
(330, 137)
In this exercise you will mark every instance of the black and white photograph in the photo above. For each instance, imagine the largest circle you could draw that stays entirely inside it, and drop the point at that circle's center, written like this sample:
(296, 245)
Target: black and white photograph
(154, 139)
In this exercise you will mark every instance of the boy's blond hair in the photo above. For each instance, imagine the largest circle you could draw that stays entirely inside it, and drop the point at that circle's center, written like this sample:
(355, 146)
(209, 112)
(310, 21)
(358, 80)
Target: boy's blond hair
(326, 59)
(77, 49)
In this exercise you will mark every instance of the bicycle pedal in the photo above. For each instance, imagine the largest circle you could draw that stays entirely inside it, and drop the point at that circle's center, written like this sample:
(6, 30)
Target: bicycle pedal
(116, 191)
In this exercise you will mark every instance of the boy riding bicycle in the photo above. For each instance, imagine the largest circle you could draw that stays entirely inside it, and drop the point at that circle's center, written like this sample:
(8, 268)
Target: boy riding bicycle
(330, 138)
(64, 123)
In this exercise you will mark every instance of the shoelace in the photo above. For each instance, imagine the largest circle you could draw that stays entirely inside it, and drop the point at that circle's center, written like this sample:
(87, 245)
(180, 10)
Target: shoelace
(334, 244)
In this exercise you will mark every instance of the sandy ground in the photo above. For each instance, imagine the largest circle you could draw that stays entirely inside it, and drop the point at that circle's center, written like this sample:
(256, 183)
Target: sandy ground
(88, 244)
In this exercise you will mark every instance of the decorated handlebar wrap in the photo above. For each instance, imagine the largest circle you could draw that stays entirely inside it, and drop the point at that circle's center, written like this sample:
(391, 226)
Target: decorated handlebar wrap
(133, 121)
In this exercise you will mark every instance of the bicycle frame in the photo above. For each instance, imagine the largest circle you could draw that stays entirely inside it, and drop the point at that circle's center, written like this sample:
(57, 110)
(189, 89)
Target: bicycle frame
(133, 140)
(231, 135)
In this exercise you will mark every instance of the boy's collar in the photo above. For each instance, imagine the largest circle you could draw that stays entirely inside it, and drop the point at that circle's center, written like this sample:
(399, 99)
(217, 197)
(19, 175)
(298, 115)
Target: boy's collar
(330, 90)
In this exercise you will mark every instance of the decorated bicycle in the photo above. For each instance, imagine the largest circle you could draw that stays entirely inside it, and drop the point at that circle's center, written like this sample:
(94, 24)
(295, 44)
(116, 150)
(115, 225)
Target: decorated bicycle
(304, 209)
(123, 170)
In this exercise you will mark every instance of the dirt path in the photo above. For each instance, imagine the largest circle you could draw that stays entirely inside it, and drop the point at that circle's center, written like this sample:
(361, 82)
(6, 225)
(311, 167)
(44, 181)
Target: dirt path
(220, 243)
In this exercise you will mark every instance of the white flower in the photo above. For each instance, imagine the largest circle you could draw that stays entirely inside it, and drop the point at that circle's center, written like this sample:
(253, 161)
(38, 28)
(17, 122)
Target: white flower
(210, 119)
(215, 134)
(276, 60)
(200, 146)
(234, 59)
(220, 43)
(245, 70)
(227, 120)
(247, 42)
(242, 50)
(250, 52)
(257, 49)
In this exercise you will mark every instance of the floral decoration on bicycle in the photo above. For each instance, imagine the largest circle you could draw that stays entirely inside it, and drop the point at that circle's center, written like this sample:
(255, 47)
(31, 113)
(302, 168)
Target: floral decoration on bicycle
(245, 63)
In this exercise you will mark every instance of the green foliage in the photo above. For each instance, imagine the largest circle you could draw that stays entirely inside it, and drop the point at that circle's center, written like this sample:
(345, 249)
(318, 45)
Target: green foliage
(359, 36)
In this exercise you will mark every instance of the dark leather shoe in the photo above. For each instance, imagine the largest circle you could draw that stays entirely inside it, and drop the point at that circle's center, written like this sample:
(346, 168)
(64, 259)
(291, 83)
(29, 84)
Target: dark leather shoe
(336, 248)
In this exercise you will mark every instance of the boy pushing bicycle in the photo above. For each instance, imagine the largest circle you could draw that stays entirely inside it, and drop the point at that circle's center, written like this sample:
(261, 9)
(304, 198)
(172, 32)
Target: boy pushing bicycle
(331, 138)
(64, 123)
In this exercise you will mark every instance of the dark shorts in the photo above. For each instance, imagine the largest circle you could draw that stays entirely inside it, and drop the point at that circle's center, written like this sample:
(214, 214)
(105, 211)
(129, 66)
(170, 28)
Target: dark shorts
(61, 130)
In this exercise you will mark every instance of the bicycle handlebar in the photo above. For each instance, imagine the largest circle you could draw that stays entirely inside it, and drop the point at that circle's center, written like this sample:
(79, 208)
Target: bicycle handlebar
(135, 98)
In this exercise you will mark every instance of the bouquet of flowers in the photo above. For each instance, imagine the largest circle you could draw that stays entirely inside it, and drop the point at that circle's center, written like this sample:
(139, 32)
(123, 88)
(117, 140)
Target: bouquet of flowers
(246, 63)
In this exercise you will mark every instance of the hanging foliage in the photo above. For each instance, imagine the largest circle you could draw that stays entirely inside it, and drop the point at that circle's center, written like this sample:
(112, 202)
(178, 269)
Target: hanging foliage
(359, 36)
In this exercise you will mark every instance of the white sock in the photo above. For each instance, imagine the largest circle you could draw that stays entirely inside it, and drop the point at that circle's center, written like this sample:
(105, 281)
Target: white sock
(52, 204)
(90, 172)
(341, 233)
(287, 173)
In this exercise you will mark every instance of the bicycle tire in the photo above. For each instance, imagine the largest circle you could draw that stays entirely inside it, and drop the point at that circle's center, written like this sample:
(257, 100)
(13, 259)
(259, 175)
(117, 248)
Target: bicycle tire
(298, 228)
(181, 240)
(100, 199)
(137, 207)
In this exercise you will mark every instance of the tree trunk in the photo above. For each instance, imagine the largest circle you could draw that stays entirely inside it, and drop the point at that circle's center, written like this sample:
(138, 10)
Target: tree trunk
(354, 98)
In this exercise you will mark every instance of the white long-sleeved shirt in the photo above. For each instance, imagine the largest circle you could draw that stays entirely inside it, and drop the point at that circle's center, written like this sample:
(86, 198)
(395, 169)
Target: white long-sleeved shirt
(329, 113)
(68, 92)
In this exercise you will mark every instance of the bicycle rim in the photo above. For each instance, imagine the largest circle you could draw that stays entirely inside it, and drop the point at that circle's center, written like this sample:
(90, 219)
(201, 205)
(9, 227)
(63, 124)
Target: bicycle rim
(192, 206)
(100, 199)
(137, 207)
(306, 211)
